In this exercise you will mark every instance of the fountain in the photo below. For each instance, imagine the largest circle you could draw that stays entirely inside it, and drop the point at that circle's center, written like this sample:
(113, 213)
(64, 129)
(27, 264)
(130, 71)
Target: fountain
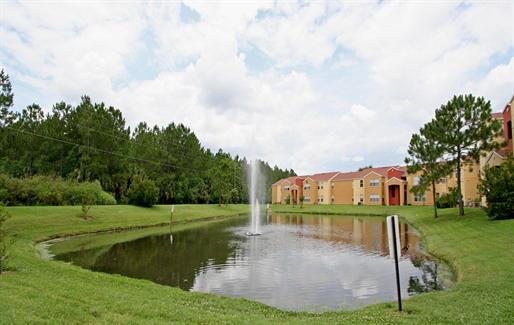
(255, 209)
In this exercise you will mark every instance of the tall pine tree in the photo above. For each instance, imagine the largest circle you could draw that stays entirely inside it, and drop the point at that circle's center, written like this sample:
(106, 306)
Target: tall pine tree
(465, 128)
(425, 155)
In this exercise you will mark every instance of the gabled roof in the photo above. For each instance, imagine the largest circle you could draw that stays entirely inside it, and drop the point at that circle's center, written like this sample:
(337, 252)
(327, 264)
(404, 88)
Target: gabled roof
(323, 176)
(290, 180)
(348, 176)
(395, 178)
(383, 170)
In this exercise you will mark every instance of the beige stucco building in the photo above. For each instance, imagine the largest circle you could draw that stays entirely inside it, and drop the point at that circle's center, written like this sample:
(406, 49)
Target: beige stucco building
(392, 185)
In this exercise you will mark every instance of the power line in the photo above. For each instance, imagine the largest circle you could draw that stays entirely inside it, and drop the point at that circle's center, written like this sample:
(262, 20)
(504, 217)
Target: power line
(19, 130)
(98, 149)
(130, 140)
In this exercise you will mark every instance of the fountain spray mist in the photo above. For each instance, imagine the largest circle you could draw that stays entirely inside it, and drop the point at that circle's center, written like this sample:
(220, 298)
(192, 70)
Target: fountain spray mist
(255, 198)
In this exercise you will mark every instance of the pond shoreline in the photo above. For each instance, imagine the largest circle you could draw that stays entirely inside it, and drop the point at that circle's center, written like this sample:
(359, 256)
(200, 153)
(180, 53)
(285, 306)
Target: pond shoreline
(476, 248)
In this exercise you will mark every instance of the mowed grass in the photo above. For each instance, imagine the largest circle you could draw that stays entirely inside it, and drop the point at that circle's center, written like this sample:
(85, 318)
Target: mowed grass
(37, 291)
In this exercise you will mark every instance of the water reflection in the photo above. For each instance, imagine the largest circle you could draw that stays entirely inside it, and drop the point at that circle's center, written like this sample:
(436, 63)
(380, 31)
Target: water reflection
(300, 263)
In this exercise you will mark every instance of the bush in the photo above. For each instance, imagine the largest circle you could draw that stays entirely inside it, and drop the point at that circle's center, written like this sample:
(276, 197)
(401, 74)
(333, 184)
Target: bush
(46, 190)
(448, 200)
(143, 192)
(498, 188)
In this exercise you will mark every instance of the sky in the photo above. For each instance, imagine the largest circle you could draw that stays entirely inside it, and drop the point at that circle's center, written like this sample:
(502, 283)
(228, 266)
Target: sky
(310, 85)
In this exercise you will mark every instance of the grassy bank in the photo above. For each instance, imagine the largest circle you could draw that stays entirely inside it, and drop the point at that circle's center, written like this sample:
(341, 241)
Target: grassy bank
(481, 252)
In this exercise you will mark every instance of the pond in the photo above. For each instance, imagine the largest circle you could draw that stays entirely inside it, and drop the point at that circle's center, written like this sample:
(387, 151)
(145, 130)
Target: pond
(301, 262)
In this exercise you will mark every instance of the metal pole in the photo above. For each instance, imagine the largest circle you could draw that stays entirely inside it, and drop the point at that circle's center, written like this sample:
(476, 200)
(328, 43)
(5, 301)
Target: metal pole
(398, 290)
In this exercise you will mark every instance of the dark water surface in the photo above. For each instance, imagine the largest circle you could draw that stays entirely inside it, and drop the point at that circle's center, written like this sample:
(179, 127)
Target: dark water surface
(310, 263)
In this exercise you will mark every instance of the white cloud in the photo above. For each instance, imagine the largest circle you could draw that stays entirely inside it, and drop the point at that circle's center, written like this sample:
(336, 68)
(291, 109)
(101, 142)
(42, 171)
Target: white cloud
(346, 84)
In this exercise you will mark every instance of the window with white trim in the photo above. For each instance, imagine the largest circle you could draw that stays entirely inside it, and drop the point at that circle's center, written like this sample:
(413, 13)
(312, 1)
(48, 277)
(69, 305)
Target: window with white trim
(307, 199)
(374, 198)
(307, 186)
(374, 182)
(286, 188)
(420, 198)
(416, 180)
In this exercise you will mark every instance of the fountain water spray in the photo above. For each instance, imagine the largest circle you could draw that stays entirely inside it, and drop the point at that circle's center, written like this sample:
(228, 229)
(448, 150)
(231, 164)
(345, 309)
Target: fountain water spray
(255, 191)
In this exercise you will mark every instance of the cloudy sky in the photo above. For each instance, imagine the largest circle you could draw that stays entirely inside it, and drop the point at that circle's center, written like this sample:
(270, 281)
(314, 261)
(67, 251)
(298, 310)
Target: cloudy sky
(313, 86)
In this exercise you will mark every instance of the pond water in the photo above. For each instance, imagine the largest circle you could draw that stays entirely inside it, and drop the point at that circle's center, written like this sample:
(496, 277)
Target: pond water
(307, 263)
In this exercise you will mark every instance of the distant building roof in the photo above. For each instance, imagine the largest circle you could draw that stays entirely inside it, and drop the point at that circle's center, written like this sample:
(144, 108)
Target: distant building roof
(339, 176)
(290, 179)
(497, 115)
(323, 176)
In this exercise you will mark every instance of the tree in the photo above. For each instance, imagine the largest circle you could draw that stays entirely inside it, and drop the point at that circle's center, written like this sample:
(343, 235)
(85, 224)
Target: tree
(498, 188)
(143, 192)
(6, 97)
(425, 156)
(465, 128)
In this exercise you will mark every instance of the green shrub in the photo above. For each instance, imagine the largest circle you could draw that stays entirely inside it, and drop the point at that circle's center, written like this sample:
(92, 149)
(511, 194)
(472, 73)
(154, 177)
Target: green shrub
(498, 188)
(143, 192)
(448, 200)
(46, 190)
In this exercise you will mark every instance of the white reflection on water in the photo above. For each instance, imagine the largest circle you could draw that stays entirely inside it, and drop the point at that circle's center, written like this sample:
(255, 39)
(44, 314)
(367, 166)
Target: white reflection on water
(308, 267)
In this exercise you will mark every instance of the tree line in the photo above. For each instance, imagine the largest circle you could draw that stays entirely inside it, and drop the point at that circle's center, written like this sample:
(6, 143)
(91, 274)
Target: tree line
(92, 142)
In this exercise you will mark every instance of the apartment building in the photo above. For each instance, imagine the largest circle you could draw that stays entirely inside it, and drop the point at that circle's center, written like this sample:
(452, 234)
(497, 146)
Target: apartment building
(392, 185)
(389, 185)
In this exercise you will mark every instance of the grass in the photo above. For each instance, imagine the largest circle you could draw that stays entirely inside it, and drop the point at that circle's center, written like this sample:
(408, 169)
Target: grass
(480, 251)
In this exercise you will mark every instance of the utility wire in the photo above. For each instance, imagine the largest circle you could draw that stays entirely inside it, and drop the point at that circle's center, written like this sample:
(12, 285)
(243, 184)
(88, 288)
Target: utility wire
(103, 150)
(98, 149)
(131, 142)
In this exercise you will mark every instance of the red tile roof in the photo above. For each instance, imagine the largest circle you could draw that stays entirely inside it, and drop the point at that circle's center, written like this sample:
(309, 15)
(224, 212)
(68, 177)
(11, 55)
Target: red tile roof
(291, 180)
(348, 176)
(323, 176)
(497, 115)
(338, 176)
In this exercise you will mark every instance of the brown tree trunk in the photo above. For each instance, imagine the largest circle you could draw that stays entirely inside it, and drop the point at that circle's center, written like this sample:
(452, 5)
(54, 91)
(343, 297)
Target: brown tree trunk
(459, 187)
(434, 199)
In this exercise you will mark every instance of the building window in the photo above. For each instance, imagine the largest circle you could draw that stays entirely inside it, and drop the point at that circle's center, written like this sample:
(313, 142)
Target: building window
(307, 186)
(374, 198)
(419, 198)
(441, 181)
(362, 183)
(509, 130)
(307, 199)
(374, 182)
(416, 180)
(361, 199)
(332, 199)
(286, 188)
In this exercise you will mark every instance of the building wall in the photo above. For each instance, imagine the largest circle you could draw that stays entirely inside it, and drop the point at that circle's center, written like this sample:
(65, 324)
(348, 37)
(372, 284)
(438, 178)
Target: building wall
(401, 187)
(312, 193)
(470, 182)
(324, 192)
(373, 190)
(357, 191)
(275, 194)
(411, 197)
(342, 192)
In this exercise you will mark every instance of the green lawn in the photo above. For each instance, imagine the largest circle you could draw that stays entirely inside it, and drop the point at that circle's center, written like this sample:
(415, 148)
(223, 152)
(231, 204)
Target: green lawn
(38, 291)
